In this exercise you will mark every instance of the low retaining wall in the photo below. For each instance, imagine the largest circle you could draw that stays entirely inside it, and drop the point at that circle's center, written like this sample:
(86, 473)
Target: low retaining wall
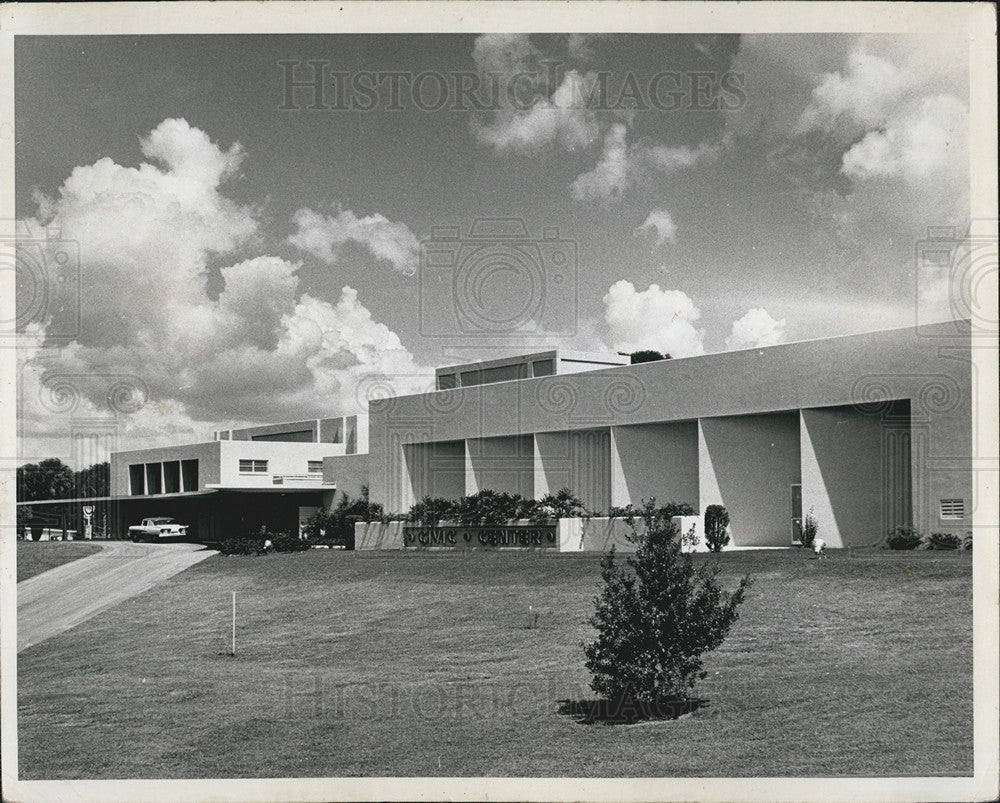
(376, 535)
(573, 535)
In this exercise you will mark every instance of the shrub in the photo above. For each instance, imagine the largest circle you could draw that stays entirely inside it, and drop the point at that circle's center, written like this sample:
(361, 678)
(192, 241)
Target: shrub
(242, 546)
(647, 355)
(716, 527)
(903, 538)
(335, 527)
(488, 507)
(561, 505)
(655, 619)
(285, 542)
(430, 510)
(967, 542)
(810, 529)
(944, 541)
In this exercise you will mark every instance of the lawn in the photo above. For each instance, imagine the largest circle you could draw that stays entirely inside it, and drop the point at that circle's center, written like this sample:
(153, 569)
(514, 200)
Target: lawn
(422, 664)
(35, 557)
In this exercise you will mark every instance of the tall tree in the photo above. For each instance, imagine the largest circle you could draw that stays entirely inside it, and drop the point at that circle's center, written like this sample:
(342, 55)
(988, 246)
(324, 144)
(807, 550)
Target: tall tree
(47, 479)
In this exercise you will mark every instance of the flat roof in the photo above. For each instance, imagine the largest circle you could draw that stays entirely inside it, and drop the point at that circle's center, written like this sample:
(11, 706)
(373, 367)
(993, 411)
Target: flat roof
(595, 358)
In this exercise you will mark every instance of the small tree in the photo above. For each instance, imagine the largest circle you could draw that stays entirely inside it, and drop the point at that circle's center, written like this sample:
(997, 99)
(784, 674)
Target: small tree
(430, 510)
(655, 619)
(561, 505)
(810, 529)
(647, 355)
(716, 527)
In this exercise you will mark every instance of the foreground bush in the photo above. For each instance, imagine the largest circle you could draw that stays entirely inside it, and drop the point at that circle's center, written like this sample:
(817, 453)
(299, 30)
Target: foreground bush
(903, 538)
(716, 527)
(656, 616)
(496, 507)
(242, 546)
(809, 529)
(945, 541)
(285, 542)
(335, 527)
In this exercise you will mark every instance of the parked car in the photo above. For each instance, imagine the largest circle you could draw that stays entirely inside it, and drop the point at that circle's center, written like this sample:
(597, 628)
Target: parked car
(156, 529)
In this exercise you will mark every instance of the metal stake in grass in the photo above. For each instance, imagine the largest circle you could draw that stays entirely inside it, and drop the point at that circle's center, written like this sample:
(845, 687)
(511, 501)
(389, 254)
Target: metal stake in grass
(233, 650)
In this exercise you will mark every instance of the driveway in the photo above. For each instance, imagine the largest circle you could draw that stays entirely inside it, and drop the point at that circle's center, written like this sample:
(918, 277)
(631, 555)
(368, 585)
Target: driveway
(52, 602)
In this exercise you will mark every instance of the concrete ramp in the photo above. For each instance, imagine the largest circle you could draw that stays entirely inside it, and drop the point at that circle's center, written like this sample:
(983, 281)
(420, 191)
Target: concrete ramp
(54, 601)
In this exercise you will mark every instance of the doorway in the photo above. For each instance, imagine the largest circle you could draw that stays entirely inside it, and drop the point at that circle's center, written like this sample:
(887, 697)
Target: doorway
(796, 524)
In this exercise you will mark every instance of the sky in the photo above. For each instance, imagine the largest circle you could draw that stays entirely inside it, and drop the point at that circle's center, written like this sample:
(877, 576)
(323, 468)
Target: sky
(222, 249)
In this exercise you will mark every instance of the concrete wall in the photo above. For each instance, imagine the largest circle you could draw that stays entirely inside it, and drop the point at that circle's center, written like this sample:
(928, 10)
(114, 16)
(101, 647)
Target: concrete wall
(500, 464)
(655, 461)
(348, 472)
(376, 535)
(843, 474)
(434, 469)
(207, 454)
(579, 460)
(282, 459)
(748, 464)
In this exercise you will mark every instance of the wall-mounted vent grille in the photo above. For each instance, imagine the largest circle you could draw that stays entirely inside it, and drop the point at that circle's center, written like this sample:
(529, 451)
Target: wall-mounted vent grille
(952, 508)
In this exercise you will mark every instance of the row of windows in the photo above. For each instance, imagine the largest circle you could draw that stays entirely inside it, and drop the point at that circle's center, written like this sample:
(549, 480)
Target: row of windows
(251, 466)
(499, 373)
(168, 477)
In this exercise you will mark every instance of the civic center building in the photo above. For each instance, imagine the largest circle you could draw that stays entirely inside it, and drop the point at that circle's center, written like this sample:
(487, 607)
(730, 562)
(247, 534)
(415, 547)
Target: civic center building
(866, 431)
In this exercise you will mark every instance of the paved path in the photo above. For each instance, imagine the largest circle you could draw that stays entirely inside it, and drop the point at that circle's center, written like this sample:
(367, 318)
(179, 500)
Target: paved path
(52, 602)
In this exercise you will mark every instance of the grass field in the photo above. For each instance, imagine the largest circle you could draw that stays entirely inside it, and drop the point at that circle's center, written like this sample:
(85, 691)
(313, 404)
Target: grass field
(35, 557)
(422, 664)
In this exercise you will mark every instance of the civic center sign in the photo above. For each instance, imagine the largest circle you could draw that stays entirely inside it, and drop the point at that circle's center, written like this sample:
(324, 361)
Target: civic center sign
(500, 536)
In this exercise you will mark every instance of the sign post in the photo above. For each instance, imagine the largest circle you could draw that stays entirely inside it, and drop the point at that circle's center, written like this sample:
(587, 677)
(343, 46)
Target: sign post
(88, 528)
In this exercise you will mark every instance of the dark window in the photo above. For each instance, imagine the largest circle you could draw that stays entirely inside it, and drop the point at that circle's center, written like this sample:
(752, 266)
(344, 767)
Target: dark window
(137, 479)
(315, 466)
(299, 436)
(499, 373)
(447, 381)
(171, 477)
(189, 474)
(543, 368)
(154, 484)
(253, 466)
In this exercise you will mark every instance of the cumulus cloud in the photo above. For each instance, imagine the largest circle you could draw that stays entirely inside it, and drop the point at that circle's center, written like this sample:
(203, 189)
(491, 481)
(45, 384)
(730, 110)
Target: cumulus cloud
(260, 350)
(660, 224)
(561, 120)
(663, 320)
(324, 235)
(534, 113)
(623, 166)
(537, 111)
(756, 329)
(915, 144)
(864, 91)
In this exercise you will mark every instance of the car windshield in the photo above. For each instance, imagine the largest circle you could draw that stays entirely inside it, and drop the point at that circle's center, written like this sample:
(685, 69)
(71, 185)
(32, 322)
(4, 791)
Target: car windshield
(162, 521)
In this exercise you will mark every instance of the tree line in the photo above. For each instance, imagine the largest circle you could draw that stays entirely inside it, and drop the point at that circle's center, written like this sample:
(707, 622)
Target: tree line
(53, 479)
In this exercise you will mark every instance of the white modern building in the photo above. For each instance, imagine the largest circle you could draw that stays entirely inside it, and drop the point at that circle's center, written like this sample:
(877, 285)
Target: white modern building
(867, 431)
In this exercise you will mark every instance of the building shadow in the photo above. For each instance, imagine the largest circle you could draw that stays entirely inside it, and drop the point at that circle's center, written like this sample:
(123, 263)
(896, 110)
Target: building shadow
(624, 711)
